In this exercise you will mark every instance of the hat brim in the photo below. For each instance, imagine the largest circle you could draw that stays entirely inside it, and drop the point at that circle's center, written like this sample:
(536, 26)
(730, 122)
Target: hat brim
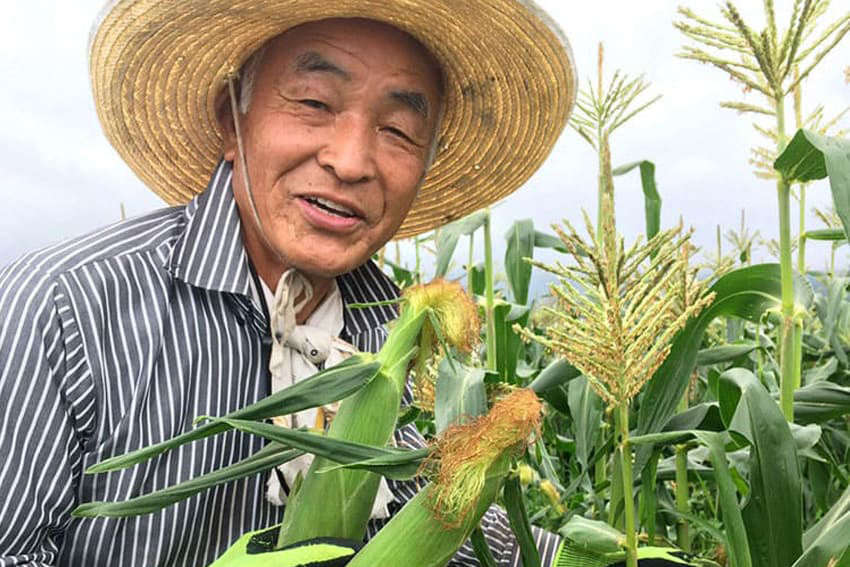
(158, 65)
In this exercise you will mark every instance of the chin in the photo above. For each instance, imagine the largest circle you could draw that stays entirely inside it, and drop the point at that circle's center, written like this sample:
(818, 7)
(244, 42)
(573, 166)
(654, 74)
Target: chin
(319, 265)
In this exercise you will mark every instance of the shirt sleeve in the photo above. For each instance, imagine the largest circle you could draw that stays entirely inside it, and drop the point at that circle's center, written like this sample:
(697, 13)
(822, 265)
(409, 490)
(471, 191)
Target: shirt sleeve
(494, 524)
(39, 423)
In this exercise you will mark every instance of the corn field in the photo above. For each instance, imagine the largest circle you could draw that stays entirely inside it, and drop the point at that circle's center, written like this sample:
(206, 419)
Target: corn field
(651, 400)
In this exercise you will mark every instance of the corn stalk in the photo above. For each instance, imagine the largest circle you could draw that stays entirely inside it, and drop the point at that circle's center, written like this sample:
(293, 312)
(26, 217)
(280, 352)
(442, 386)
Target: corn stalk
(599, 112)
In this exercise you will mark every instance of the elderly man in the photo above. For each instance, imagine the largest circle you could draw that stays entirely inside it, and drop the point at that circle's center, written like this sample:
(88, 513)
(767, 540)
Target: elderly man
(353, 122)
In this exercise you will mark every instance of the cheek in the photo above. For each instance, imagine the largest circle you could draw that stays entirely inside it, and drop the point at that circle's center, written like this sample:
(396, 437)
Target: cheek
(404, 187)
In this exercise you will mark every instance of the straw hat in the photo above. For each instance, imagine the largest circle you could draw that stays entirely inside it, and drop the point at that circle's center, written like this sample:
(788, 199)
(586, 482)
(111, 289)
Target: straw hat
(157, 66)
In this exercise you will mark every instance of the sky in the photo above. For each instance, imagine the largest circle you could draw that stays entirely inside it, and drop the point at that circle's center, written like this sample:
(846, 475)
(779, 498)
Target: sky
(61, 178)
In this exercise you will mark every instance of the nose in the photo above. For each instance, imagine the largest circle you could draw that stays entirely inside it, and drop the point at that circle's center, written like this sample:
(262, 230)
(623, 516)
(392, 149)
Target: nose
(349, 151)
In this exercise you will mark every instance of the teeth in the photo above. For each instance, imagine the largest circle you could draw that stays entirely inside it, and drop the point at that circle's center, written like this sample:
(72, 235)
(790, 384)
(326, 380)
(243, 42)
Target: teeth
(332, 207)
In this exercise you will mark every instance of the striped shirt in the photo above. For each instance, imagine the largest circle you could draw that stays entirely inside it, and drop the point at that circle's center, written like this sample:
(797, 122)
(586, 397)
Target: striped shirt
(119, 339)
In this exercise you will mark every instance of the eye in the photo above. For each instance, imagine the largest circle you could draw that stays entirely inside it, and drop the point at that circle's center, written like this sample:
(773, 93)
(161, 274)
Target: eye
(398, 133)
(313, 103)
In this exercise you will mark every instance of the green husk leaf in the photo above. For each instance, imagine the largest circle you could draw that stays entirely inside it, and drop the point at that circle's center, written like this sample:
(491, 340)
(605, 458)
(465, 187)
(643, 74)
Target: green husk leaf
(388, 461)
(326, 387)
(460, 394)
(265, 459)
(592, 535)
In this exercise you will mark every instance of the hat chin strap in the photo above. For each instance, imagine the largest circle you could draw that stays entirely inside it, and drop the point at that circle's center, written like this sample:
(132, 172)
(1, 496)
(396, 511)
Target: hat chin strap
(243, 163)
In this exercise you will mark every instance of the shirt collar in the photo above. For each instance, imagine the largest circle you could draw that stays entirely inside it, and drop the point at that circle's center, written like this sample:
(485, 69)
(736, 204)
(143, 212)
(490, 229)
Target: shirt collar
(210, 253)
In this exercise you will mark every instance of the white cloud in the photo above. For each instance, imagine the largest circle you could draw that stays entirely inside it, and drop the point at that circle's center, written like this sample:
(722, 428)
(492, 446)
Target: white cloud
(62, 178)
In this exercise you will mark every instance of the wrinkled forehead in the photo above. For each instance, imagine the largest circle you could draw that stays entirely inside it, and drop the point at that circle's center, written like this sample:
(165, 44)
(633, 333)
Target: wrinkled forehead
(376, 35)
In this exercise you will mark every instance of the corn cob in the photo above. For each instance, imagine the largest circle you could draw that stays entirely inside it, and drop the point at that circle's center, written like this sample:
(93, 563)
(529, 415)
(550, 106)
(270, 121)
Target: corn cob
(338, 503)
(474, 460)
(415, 536)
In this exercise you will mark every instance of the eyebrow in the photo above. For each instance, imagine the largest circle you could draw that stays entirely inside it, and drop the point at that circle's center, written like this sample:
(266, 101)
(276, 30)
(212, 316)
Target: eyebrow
(312, 62)
(416, 101)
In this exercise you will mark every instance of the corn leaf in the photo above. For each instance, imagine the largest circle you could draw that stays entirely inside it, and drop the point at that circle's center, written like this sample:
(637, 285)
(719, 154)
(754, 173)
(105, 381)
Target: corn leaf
(820, 402)
(326, 387)
(479, 279)
(586, 411)
(545, 464)
(826, 234)
(508, 343)
(401, 275)
(556, 374)
(399, 464)
(772, 513)
(520, 246)
(391, 462)
(724, 353)
(736, 532)
(460, 394)
(648, 499)
(705, 416)
(829, 537)
(810, 156)
(544, 240)
(518, 518)
(482, 549)
(448, 236)
(265, 459)
(651, 198)
(746, 293)
(664, 438)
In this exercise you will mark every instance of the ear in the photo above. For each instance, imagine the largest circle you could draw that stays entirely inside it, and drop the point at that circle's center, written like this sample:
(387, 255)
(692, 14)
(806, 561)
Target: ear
(224, 116)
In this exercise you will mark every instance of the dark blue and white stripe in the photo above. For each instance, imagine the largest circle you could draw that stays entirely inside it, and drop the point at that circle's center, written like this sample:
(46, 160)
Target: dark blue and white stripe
(119, 339)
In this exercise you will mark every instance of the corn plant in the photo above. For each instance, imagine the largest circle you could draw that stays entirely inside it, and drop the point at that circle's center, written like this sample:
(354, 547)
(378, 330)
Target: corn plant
(772, 62)
(617, 314)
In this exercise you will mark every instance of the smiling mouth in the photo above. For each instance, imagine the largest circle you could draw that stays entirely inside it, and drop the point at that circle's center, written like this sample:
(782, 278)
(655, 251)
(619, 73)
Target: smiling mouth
(332, 208)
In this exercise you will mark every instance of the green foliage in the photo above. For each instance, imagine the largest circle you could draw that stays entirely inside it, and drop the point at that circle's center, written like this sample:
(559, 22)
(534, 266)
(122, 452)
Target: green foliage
(460, 394)
(810, 156)
(747, 293)
(651, 198)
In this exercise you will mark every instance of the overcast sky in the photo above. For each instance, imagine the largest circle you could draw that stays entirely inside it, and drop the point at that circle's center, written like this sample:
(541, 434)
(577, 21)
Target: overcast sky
(61, 178)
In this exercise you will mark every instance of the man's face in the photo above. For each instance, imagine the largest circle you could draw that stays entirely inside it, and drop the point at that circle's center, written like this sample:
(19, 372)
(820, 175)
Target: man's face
(336, 140)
